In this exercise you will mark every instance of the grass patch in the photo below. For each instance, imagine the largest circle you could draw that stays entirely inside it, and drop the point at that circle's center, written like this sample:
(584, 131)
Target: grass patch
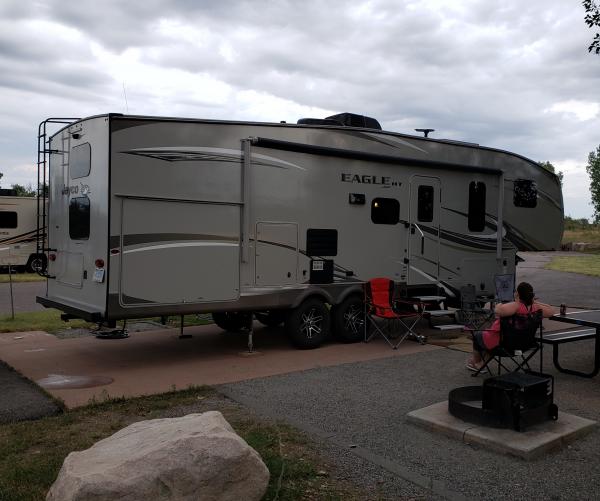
(46, 320)
(590, 235)
(20, 277)
(49, 321)
(31, 453)
(586, 265)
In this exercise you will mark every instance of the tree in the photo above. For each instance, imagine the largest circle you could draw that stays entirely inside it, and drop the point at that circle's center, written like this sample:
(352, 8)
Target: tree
(592, 18)
(548, 166)
(593, 170)
(23, 191)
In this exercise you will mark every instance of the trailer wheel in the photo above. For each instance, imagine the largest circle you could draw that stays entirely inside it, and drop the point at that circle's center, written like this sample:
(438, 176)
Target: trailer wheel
(271, 318)
(36, 263)
(308, 324)
(231, 321)
(349, 319)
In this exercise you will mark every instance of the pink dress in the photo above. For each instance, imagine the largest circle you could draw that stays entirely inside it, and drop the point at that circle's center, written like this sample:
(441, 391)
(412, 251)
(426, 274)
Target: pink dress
(491, 336)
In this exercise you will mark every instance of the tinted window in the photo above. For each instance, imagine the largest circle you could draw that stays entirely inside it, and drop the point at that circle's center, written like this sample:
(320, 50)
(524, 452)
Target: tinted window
(385, 211)
(321, 242)
(425, 208)
(79, 218)
(80, 161)
(8, 219)
(525, 193)
(476, 206)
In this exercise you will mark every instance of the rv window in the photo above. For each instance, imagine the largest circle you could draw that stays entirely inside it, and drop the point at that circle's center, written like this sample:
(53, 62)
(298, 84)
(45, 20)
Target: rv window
(385, 211)
(8, 219)
(476, 206)
(321, 242)
(425, 209)
(79, 218)
(525, 194)
(80, 161)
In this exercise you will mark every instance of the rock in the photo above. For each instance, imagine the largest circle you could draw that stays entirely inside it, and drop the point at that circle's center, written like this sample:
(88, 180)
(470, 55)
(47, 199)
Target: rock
(195, 457)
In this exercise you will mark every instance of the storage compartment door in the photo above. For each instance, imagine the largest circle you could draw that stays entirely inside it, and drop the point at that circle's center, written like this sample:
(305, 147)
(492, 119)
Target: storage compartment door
(178, 252)
(276, 253)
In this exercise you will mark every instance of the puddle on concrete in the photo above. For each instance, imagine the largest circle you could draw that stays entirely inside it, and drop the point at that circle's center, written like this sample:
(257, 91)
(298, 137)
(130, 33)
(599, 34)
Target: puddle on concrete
(61, 381)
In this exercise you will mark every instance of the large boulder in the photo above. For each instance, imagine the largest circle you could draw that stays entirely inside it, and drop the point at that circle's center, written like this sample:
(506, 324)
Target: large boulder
(195, 457)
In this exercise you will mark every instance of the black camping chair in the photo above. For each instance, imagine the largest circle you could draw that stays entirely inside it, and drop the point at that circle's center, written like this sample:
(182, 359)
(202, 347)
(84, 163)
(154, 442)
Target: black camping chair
(518, 342)
(471, 314)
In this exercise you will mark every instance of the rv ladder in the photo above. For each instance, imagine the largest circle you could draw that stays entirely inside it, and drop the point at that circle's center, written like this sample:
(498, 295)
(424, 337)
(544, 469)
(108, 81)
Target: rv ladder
(43, 188)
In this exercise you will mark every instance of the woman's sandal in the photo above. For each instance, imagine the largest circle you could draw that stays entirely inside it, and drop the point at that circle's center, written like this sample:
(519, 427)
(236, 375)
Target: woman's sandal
(472, 368)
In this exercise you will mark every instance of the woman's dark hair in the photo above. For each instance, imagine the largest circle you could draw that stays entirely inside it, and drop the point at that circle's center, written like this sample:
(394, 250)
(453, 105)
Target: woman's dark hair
(526, 294)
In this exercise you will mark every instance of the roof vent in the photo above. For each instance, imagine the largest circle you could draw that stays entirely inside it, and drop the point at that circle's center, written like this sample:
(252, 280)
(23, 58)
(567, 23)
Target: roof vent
(353, 120)
(318, 121)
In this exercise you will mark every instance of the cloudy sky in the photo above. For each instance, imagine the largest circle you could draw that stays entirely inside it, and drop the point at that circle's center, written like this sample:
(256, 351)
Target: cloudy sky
(512, 74)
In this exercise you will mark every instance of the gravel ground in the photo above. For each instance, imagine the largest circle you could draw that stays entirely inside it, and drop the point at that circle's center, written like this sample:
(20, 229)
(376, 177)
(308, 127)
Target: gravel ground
(359, 412)
(21, 399)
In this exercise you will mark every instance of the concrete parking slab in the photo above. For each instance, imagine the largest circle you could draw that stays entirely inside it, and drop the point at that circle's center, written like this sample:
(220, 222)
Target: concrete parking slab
(157, 361)
(529, 444)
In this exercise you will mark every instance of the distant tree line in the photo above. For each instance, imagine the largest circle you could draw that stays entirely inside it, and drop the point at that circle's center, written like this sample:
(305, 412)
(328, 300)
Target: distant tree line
(578, 224)
(22, 190)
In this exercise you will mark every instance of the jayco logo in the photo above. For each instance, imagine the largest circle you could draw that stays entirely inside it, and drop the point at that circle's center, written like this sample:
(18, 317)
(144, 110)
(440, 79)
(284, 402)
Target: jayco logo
(84, 189)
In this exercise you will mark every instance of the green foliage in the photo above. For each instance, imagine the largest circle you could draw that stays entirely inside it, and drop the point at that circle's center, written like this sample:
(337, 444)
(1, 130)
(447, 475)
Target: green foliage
(592, 18)
(577, 224)
(23, 191)
(593, 170)
(548, 166)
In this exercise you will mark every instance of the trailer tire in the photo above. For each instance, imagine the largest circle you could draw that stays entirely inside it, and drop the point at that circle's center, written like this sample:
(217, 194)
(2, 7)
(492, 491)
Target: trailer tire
(271, 318)
(36, 263)
(349, 319)
(308, 324)
(231, 321)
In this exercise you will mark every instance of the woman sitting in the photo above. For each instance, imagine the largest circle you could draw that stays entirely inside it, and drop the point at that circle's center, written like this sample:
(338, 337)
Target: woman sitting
(487, 340)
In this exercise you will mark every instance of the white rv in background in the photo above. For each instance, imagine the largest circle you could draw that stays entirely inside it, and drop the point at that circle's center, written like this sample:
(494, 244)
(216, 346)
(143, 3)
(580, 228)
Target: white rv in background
(156, 216)
(18, 233)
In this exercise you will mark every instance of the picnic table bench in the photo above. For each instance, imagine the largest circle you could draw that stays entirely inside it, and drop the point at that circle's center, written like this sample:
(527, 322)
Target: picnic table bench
(557, 338)
(590, 319)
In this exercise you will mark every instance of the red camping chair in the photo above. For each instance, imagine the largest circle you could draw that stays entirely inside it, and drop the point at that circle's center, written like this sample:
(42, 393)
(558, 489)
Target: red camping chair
(388, 315)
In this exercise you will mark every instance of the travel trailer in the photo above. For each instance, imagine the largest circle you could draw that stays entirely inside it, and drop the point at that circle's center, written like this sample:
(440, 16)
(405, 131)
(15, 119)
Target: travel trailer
(18, 233)
(153, 216)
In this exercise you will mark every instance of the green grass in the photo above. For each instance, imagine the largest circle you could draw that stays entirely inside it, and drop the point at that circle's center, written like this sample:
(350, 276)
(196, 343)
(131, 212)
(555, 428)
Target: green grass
(31, 453)
(47, 320)
(586, 265)
(20, 277)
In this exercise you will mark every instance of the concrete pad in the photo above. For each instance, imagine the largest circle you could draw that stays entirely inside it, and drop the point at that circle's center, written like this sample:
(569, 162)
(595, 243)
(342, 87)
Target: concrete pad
(157, 361)
(530, 444)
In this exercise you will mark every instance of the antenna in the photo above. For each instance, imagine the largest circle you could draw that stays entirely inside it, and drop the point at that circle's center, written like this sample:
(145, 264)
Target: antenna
(125, 95)
(425, 131)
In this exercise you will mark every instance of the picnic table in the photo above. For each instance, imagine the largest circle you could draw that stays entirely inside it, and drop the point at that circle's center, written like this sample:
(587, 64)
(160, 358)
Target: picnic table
(590, 319)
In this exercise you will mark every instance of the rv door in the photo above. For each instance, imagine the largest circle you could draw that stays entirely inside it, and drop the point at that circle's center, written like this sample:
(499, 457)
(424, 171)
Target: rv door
(424, 230)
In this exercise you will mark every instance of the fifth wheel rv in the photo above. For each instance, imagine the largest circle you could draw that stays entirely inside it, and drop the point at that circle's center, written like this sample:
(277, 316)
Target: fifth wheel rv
(153, 216)
(18, 232)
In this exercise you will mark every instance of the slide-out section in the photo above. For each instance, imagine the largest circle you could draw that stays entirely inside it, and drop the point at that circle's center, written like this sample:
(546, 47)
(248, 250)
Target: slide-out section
(178, 252)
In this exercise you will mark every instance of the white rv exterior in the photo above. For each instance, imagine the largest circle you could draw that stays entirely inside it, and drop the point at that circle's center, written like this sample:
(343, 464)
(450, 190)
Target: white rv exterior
(161, 216)
(18, 233)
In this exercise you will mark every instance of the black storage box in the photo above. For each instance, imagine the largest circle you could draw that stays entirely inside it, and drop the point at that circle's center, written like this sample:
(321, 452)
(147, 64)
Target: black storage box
(521, 399)
(321, 271)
